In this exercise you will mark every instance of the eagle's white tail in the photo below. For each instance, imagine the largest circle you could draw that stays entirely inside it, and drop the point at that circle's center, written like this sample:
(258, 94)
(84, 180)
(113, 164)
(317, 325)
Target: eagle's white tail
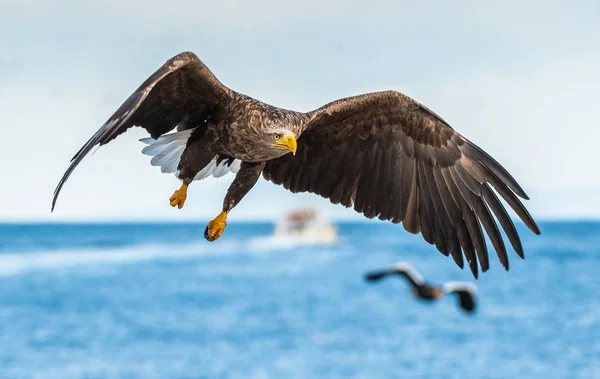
(166, 153)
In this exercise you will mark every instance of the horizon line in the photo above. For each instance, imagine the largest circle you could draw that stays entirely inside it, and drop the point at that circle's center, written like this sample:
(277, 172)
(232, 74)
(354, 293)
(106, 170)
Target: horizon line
(567, 219)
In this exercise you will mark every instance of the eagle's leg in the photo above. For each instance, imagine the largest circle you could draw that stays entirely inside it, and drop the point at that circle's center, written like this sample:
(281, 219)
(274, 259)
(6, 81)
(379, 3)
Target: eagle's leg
(193, 159)
(245, 179)
(178, 198)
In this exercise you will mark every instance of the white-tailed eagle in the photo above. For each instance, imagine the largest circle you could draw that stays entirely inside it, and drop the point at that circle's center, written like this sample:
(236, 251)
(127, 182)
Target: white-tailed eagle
(382, 153)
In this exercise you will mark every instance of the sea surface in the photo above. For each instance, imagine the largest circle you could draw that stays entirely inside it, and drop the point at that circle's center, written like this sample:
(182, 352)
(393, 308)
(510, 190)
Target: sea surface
(158, 301)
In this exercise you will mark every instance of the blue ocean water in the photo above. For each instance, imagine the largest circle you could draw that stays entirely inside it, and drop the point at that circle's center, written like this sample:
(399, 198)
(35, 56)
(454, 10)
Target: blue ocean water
(158, 301)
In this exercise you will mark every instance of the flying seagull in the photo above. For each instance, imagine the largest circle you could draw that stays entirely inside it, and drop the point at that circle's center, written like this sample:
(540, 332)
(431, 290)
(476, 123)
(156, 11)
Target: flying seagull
(382, 153)
(466, 291)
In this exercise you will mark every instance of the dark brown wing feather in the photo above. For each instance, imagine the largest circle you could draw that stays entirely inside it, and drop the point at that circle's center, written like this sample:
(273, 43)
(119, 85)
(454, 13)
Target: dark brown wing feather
(390, 157)
(182, 92)
(466, 300)
(378, 275)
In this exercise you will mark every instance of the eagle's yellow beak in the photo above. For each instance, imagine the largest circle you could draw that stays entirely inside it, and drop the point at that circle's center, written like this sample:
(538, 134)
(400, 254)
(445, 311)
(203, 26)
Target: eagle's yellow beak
(289, 143)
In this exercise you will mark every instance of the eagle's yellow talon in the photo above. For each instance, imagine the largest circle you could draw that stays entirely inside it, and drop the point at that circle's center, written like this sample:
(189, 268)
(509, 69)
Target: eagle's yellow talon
(216, 227)
(178, 198)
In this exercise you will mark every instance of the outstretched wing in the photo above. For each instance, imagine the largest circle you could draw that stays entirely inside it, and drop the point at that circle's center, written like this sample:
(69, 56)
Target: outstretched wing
(466, 301)
(404, 269)
(466, 294)
(182, 92)
(390, 157)
(409, 272)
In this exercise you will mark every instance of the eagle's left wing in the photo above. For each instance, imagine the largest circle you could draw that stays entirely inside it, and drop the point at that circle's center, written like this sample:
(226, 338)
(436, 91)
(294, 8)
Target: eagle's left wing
(390, 157)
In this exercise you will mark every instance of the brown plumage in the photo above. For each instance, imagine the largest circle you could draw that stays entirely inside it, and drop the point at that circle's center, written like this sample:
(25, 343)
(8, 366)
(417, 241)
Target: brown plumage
(382, 153)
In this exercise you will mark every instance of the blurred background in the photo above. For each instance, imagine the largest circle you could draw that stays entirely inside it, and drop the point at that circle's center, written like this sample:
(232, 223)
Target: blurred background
(116, 283)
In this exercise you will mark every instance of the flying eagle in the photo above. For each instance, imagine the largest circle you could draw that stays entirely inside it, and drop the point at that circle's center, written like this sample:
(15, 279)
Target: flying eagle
(466, 292)
(382, 153)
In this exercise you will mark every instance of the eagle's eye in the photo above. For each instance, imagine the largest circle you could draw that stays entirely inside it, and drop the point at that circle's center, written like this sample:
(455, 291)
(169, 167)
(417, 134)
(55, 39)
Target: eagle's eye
(277, 136)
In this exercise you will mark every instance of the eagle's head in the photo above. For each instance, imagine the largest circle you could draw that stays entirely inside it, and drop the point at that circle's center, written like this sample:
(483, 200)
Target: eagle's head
(281, 138)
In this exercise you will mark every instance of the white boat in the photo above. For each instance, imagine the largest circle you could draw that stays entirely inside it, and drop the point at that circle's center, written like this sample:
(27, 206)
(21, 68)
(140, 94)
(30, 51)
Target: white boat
(306, 226)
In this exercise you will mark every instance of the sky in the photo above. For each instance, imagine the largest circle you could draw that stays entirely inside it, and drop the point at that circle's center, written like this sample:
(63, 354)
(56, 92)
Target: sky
(519, 79)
